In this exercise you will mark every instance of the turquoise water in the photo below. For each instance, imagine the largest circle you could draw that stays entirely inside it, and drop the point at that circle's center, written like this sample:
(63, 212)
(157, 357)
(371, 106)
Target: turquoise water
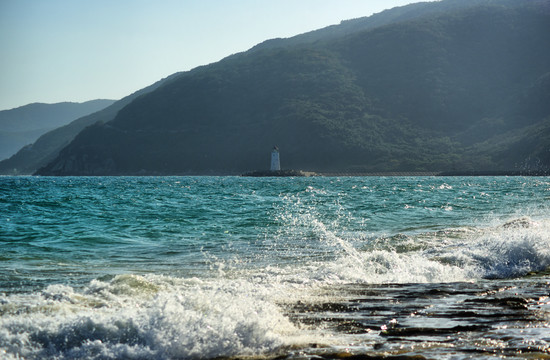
(202, 267)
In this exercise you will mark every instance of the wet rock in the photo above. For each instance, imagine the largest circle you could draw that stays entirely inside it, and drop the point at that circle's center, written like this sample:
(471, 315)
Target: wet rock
(403, 332)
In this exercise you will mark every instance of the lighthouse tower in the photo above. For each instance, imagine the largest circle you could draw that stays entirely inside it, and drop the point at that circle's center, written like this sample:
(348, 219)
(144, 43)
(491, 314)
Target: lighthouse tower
(275, 162)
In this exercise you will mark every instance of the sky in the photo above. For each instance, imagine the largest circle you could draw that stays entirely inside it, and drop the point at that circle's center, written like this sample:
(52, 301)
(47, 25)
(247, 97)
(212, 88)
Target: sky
(78, 50)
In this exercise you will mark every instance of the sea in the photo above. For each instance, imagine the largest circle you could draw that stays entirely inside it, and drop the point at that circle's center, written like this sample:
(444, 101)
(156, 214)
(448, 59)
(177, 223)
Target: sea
(352, 268)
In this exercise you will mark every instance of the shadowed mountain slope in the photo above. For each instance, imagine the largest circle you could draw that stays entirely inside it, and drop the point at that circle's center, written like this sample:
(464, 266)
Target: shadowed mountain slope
(443, 88)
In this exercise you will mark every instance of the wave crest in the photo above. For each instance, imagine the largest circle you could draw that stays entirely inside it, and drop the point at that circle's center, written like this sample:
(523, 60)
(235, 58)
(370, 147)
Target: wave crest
(183, 319)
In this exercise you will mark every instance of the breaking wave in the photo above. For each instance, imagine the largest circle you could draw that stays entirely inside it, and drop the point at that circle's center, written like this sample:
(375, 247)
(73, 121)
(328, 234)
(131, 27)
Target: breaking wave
(139, 317)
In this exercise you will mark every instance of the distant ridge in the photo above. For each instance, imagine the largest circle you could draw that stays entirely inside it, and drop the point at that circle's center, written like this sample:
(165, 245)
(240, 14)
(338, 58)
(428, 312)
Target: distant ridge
(23, 125)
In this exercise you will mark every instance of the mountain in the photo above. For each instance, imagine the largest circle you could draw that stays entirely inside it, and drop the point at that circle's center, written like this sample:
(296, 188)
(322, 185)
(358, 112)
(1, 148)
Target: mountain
(23, 125)
(445, 86)
(47, 147)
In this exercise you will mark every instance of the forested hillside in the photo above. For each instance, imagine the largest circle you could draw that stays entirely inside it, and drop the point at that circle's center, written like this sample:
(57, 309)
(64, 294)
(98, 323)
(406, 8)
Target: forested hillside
(445, 86)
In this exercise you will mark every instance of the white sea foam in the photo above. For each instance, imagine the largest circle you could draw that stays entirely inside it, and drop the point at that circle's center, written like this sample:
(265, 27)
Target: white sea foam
(378, 264)
(141, 318)
(384, 266)
(514, 249)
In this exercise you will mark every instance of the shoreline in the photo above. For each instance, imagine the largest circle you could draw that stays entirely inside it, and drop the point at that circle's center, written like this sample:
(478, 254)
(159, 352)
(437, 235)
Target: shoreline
(301, 173)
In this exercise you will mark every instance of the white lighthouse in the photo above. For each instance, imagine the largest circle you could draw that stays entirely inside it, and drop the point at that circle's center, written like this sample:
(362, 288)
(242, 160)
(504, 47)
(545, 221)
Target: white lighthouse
(275, 162)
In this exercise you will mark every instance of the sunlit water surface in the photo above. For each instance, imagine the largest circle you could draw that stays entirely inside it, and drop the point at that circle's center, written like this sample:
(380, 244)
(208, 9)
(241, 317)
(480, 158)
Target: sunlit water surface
(207, 267)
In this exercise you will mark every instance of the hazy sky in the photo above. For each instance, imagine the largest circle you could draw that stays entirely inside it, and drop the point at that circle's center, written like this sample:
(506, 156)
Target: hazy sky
(78, 50)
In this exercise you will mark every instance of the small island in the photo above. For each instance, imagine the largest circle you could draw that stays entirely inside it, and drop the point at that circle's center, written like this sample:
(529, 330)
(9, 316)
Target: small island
(278, 173)
(275, 169)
